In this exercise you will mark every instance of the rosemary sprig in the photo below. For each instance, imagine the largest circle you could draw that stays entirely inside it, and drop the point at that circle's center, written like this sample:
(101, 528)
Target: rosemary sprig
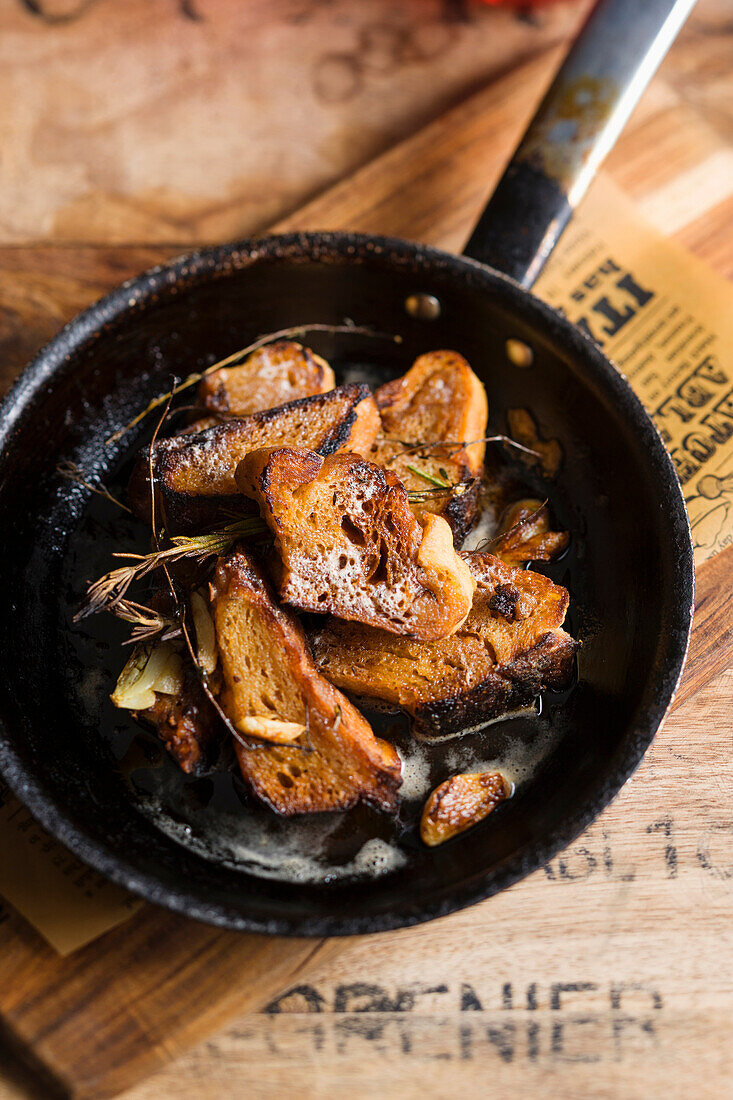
(459, 445)
(147, 623)
(106, 593)
(441, 483)
(218, 542)
(415, 496)
(236, 358)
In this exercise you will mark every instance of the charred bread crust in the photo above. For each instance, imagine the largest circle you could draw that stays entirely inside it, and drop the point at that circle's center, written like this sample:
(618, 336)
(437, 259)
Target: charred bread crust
(459, 506)
(461, 510)
(267, 480)
(268, 670)
(549, 664)
(510, 648)
(194, 472)
(272, 375)
(349, 543)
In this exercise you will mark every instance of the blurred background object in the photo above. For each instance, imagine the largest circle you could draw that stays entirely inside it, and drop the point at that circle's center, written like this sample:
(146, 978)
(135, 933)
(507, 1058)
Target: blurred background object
(185, 120)
(178, 121)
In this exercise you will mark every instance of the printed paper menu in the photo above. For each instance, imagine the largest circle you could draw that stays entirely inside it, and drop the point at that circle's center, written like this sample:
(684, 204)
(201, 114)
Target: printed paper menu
(666, 320)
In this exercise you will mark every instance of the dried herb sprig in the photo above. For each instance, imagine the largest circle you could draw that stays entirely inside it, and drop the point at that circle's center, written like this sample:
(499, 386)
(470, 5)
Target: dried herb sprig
(459, 445)
(105, 594)
(147, 623)
(236, 357)
(440, 482)
(415, 496)
(71, 472)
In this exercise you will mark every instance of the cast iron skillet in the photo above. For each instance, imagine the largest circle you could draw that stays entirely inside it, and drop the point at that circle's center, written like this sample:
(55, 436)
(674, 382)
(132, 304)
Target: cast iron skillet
(630, 570)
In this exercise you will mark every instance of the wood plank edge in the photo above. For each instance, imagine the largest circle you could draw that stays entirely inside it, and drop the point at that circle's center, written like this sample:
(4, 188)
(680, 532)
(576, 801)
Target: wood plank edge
(36, 1077)
(711, 640)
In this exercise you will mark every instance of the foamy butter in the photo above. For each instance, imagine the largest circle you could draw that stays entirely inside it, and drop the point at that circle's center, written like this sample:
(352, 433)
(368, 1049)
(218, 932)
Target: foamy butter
(375, 858)
(302, 850)
(517, 762)
(483, 531)
(415, 771)
(283, 850)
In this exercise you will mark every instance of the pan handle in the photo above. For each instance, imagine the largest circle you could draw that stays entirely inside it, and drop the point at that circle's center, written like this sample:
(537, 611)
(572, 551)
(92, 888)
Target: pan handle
(585, 109)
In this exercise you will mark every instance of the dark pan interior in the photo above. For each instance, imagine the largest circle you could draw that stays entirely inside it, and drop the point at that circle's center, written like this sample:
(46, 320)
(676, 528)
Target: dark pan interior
(629, 571)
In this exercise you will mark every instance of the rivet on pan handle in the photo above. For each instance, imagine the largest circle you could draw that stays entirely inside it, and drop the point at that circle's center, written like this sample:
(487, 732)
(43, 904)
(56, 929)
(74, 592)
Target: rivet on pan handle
(585, 109)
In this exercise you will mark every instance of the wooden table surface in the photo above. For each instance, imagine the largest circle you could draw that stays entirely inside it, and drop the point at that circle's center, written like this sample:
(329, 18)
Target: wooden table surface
(169, 122)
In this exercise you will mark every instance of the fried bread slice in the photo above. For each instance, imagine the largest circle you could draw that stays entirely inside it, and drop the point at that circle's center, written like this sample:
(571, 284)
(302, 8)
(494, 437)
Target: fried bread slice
(270, 680)
(438, 401)
(194, 472)
(271, 376)
(510, 648)
(349, 543)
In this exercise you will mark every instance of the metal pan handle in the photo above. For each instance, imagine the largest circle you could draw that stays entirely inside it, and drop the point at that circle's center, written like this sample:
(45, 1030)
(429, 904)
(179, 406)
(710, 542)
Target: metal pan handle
(585, 109)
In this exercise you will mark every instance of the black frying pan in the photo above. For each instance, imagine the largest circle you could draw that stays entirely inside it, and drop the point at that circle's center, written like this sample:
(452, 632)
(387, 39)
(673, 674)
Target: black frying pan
(79, 766)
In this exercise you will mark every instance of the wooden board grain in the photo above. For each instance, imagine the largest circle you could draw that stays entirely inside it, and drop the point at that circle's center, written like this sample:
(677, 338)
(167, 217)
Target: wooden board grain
(125, 1004)
(711, 642)
(591, 943)
(162, 121)
(145, 121)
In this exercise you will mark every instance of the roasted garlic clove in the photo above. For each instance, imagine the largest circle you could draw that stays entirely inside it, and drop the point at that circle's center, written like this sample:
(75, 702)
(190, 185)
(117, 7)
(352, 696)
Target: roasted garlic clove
(150, 669)
(525, 535)
(271, 729)
(206, 651)
(459, 803)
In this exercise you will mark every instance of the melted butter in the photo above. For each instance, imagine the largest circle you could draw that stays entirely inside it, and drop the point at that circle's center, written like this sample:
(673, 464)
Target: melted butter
(517, 758)
(286, 850)
(483, 531)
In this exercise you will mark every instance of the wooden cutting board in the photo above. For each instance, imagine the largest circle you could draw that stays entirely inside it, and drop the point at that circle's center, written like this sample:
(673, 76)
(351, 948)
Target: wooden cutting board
(100, 1020)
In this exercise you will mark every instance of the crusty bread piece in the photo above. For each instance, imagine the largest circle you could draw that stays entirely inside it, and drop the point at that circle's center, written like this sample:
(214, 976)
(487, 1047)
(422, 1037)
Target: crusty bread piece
(460, 803)
(270, 376)
(349, 543)
(439, 399)
(194, 473)
(509, 649)
(269, 678)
